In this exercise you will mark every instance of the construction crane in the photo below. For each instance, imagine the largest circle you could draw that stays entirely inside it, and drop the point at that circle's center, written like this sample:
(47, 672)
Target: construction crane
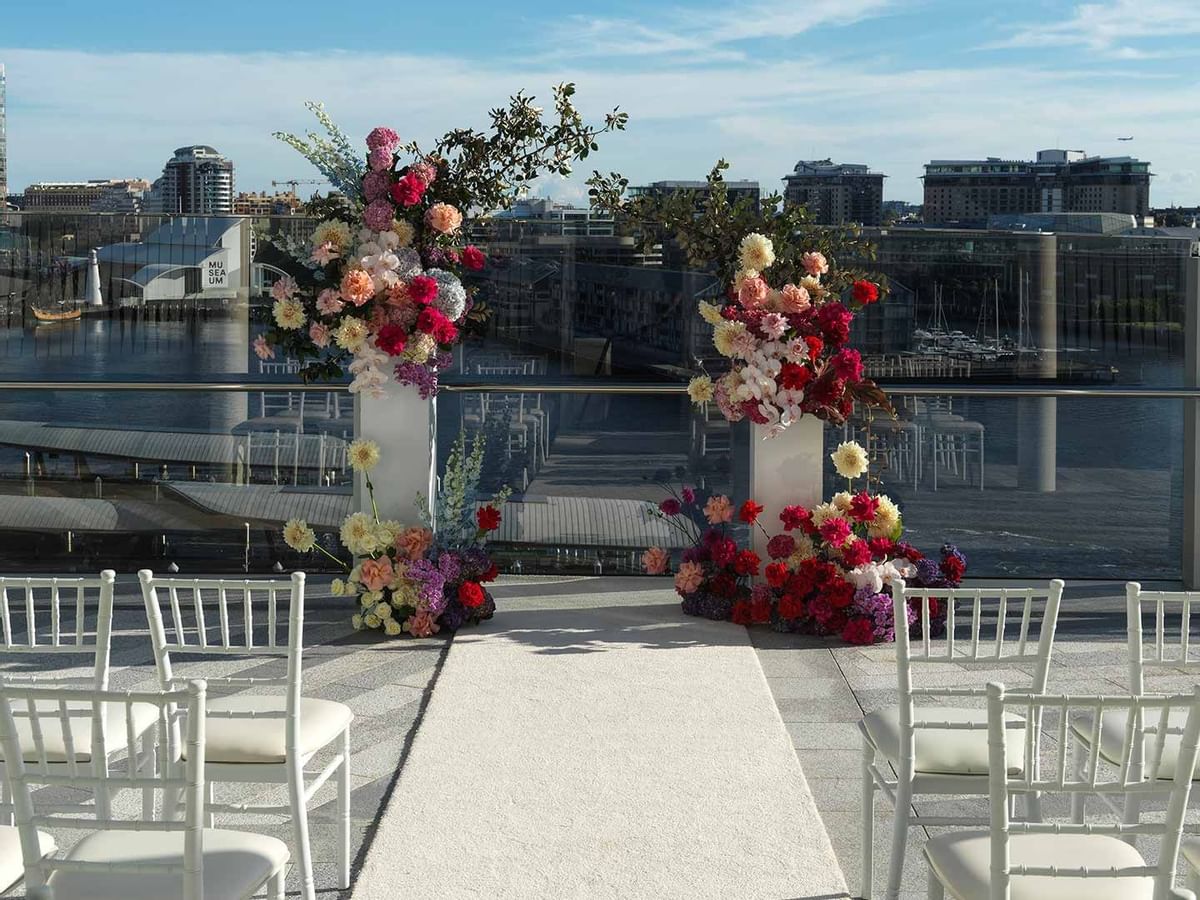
(295, 181)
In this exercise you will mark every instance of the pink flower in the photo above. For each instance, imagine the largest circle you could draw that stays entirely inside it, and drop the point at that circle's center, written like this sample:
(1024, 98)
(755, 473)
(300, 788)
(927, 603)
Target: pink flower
(329, 303)
(382, 138)
(718, 509)
(793, 299)
(376, 573)
(357, 286)
(284, 289)
(375, 186)
(655, 560)
(379, 160)
(413, 542)
(325, 254)
(689, 577)
(262, 349)
(753, 292)
(444, 218)
(424, 170)
(378, 215)
(319, 333)
(814, 263)
(473, 258)
(688, 495)
(422, 623)
(744, 344)
(773, 325)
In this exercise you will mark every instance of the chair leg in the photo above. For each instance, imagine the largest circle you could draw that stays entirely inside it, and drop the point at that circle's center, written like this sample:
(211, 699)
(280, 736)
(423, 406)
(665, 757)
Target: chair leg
(275, 884)
(209, 795)
(6, 801)
(934, 890)
(868, 821)
(1078, 798)
(300, 826)
(343, 807)
(1033, 806)
(149, 768)
(902, 814)
(1193, 881)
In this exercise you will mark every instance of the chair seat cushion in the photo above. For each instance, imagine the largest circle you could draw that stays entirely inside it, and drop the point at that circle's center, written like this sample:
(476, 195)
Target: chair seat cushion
(944, 751)
(963, 860)
(80, 717)
(12, 865)
(235, 863)
(243, 740)
(1112, 738)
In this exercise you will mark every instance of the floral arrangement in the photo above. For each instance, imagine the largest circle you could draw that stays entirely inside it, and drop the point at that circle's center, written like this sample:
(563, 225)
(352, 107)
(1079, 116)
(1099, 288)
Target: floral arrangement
(411, 579)
(828, 572)
(786, 344)
(379, 289)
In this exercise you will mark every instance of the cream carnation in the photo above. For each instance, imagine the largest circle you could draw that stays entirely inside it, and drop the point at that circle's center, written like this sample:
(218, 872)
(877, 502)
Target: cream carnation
(756, 252)
(710, 313)
(392, 628)
(814, 263)
(887, 517)
(822, 512)
(700, 389)
(289, 314)
(334, 232)
(444, 218)
(419, 348)
(298, 536)
(850, 459)
(358, 534)
(404, 232)
(804, 550)
(842, 501)
(362, 455)
(351, 334)
(725, 337)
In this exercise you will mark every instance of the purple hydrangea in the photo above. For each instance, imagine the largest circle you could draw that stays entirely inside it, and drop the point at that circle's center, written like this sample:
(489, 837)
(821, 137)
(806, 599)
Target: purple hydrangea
(878, 609)
(423, 378)
(378, 215)
(379, 160)
(375, 186)
(928, 574)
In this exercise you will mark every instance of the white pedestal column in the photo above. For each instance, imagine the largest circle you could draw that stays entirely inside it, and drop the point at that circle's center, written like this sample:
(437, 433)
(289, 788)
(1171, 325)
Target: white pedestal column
(785, 470)
(405, 427)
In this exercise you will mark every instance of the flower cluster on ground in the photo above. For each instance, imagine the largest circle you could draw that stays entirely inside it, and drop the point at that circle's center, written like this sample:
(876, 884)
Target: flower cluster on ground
(413, 579)
(786, 343)
(828, 572)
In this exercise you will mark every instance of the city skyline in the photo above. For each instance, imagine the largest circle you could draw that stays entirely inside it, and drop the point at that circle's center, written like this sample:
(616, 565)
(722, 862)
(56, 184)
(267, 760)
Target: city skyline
(890, 83)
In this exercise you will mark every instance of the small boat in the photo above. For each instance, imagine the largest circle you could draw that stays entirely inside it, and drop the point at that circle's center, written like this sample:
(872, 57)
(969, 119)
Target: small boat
(45, 315)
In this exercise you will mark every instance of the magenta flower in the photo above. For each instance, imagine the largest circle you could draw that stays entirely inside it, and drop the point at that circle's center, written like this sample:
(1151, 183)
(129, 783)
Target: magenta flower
(669, 507)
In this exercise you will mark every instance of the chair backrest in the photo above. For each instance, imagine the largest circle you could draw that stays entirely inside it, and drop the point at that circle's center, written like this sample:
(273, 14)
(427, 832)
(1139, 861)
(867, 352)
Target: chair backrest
(58, 715)
(1149, 722)
(226, 617)
(1170, 646)
(54, 616)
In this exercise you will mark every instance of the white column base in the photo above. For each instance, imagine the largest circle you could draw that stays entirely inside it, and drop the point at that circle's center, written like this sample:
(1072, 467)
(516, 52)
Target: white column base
(785, 470)
(405, 427)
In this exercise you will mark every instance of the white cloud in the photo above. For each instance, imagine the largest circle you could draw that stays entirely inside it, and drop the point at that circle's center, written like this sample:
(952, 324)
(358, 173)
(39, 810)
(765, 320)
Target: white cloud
(761, 115)
(1111, 26)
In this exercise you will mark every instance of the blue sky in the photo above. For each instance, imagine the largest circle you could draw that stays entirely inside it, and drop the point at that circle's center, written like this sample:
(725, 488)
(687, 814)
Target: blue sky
(109, 90)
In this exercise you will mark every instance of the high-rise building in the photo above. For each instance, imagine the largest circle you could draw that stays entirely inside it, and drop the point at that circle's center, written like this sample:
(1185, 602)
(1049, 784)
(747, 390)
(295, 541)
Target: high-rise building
(3, 142)
(117, 195)
(1058, 181)
(836, 193)
(197, 180)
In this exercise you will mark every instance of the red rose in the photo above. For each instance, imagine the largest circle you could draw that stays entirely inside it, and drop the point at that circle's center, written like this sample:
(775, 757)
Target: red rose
(858, 631)
(746, 563)
(847, 364)
(863, 506)
(408, 190)
(491, 574)
(777, 574)
(815, 345)
(856, 553)
(953, 568)
(473, 258)
(749, 512)
(488, 518)
(391, 339)
(864, 292)
(422, 289)
(791, 606)
(470, 594)
(760, 611)
(794, 377)
(741, 613)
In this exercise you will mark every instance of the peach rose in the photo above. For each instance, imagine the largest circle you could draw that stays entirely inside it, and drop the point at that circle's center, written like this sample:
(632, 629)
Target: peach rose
(814, 263)
(377, 574)
(793, 299)
(753, 292)
(655, 561)
(689, 577)
(718, 509)
(413, 542)
(444, 218)
(357, 286)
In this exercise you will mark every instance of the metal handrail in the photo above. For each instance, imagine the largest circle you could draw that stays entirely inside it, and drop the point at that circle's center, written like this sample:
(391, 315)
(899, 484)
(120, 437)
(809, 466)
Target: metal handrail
(603, 386)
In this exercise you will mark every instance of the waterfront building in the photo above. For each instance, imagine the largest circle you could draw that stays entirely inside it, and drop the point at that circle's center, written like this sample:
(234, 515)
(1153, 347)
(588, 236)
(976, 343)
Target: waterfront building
(737, 190)
(197, 180)
(97, 195)
(967, 191)
(836, 193)
(281, 203)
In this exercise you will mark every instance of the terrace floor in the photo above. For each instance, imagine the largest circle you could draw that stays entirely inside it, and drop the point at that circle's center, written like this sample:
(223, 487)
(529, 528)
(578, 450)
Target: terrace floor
(820, 691)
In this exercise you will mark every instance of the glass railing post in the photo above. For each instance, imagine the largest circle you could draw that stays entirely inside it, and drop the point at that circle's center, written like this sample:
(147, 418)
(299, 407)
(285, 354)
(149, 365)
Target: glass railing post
(1191, 426)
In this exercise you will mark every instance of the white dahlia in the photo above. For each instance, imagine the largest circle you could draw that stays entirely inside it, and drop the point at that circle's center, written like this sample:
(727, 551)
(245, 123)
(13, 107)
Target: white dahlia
(850, 459)
(756, 252)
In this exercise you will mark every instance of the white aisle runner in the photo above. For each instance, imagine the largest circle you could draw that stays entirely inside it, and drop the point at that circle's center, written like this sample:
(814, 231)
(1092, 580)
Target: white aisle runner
(619, 751)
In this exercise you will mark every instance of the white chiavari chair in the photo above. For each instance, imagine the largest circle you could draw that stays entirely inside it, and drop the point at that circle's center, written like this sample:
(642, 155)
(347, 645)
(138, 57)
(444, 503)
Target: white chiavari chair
(256, 737)
(1052, 860)
(63, 628)
(145, 858)
(936, 748)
